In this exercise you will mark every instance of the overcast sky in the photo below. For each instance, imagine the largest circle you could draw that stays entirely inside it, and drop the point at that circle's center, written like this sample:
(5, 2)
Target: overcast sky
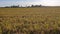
(29, 2)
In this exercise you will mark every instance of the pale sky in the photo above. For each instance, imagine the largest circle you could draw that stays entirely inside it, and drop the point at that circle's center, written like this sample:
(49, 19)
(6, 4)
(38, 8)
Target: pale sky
(29, 2)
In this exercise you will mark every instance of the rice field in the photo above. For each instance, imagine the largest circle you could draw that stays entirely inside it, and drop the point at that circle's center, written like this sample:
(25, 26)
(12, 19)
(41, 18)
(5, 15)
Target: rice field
(43, 20)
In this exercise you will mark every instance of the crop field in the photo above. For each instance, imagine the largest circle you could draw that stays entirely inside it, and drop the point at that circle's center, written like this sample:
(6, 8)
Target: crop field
(43, 20)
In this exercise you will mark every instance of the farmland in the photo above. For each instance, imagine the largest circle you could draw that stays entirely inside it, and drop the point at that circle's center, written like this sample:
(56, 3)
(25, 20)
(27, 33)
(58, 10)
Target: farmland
(43, 20)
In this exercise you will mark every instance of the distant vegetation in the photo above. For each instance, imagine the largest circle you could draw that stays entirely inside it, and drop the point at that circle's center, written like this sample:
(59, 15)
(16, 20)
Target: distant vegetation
(22, 6)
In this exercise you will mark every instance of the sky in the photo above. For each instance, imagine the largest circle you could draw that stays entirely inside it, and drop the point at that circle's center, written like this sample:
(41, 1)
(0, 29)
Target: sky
(29, 2)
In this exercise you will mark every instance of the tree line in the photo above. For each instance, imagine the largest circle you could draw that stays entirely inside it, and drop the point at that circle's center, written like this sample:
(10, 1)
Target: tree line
(17, 6)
